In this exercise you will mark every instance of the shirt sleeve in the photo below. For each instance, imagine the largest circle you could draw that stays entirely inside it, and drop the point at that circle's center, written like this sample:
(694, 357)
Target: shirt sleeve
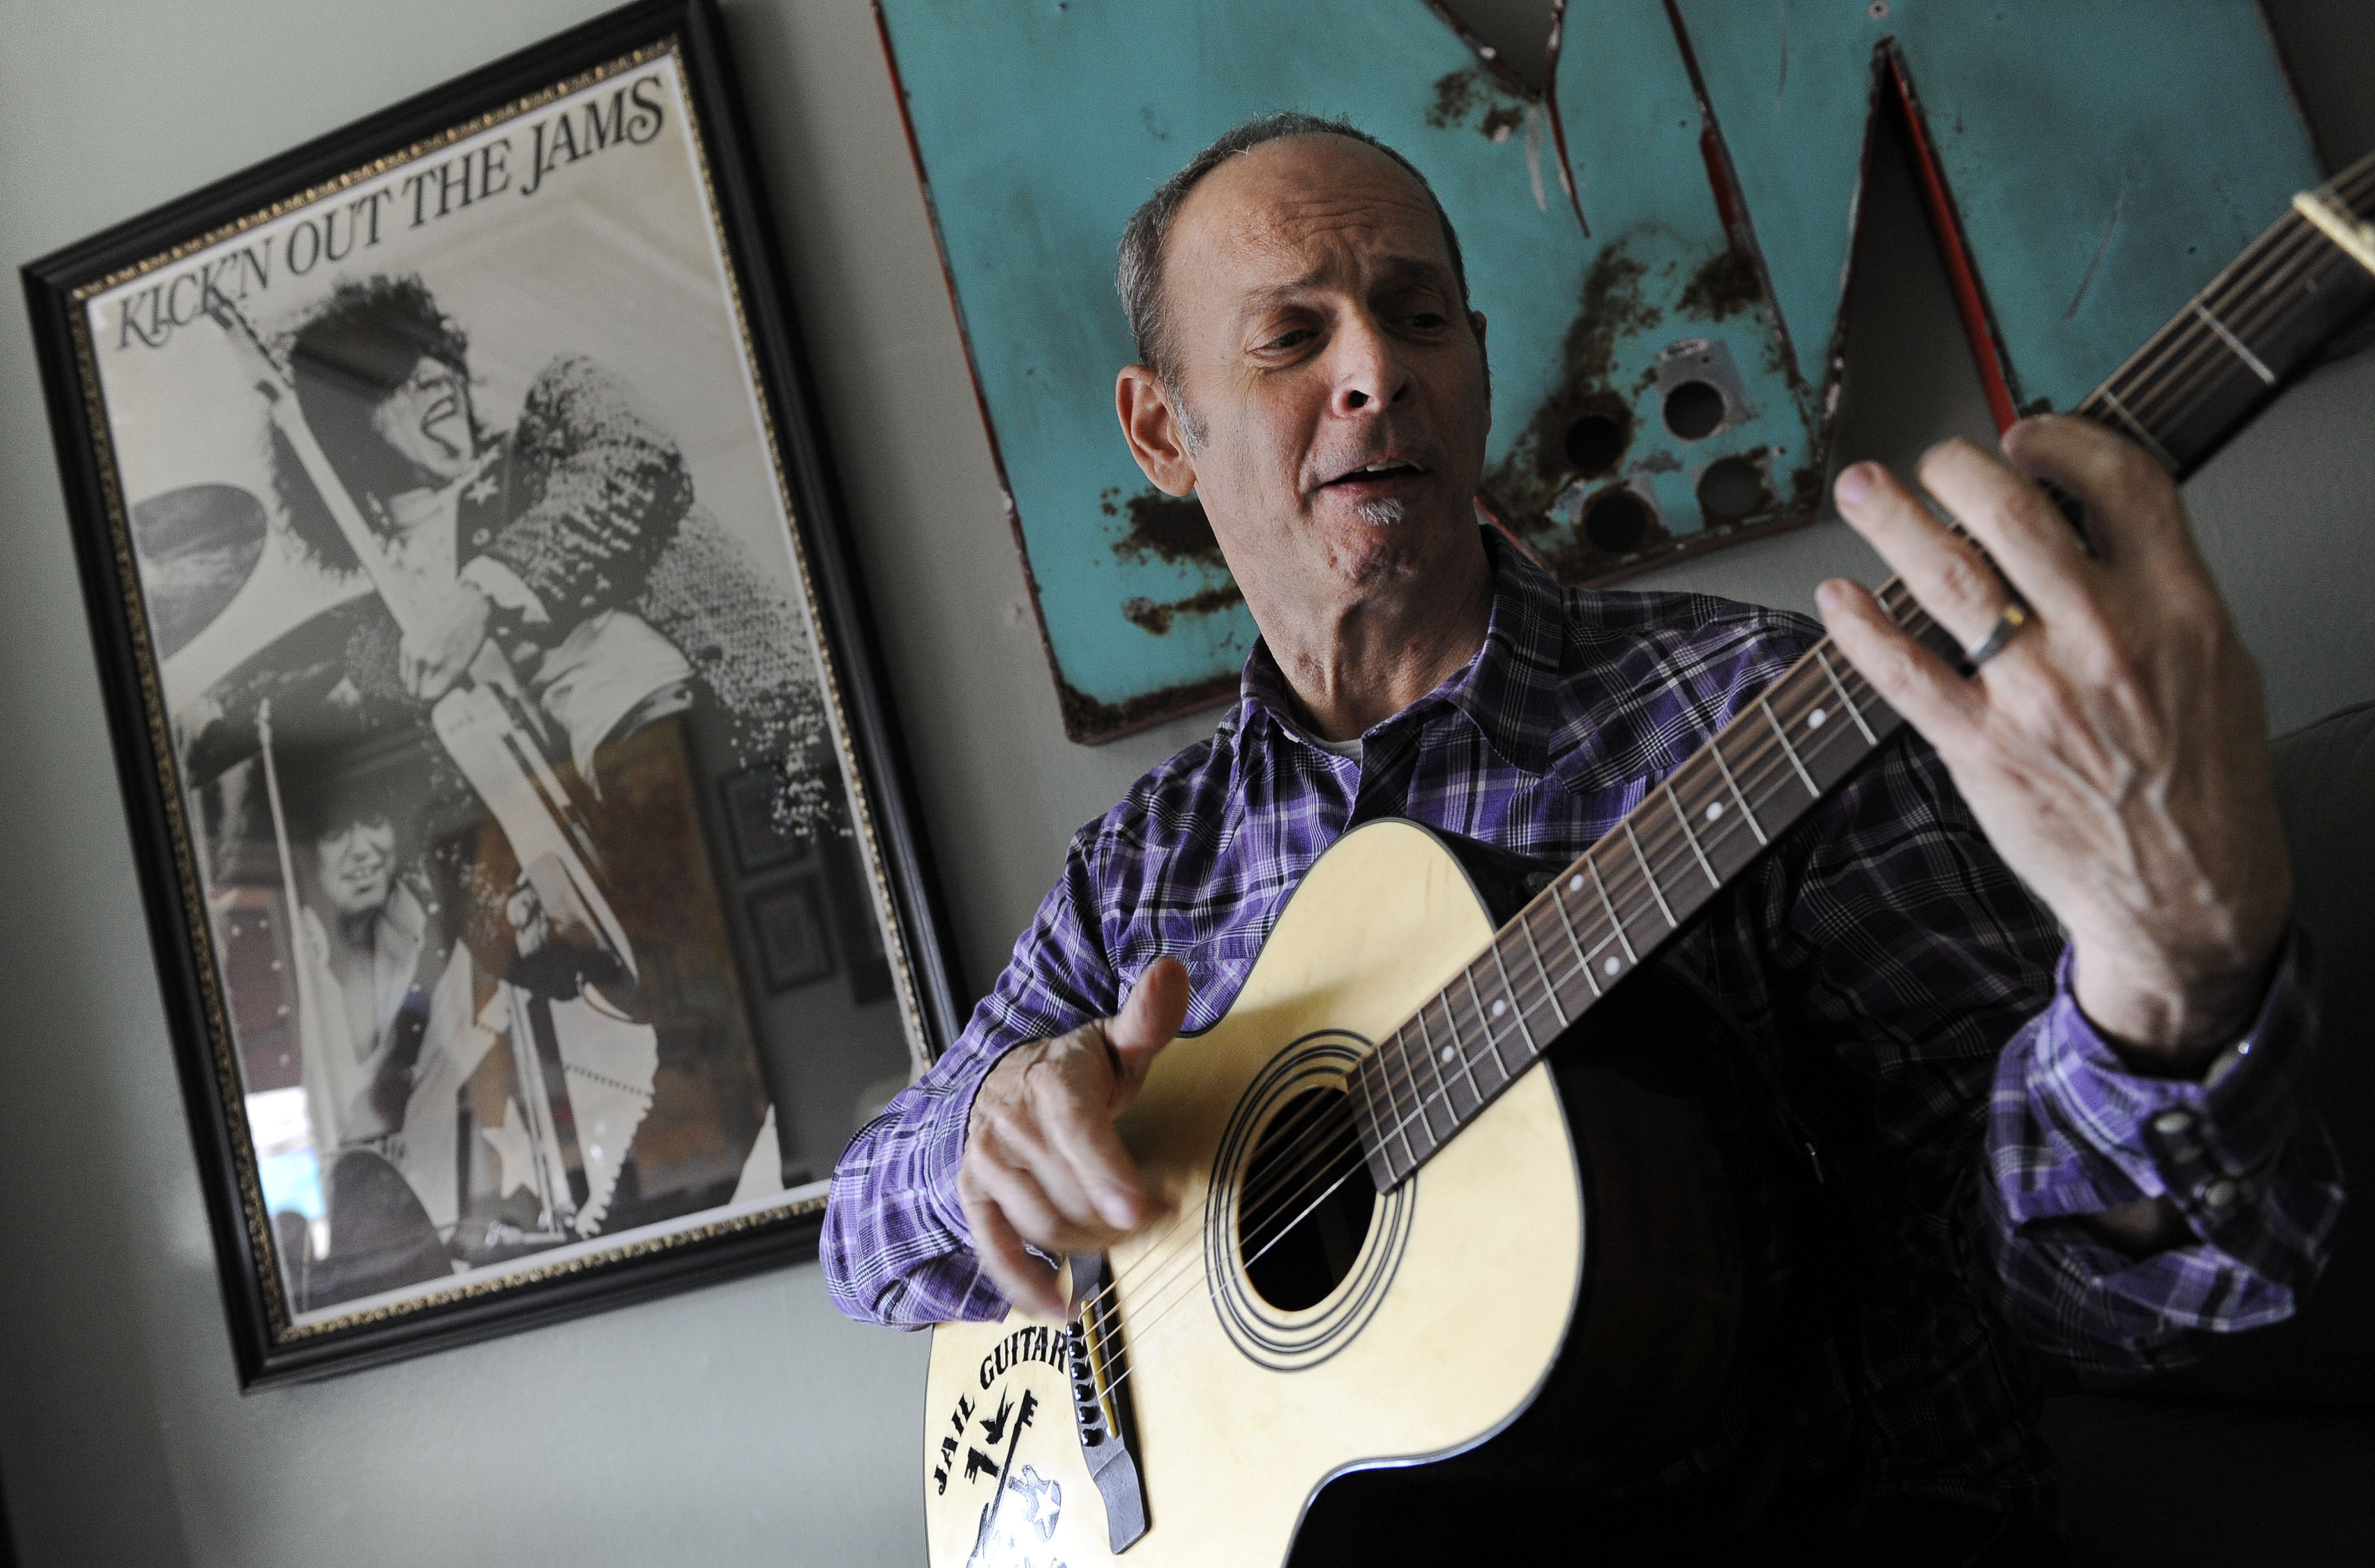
(2072, 1132)
(895, 1248)
(1900, 941)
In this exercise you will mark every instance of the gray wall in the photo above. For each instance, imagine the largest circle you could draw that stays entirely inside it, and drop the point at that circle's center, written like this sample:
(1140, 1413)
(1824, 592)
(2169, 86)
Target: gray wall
(744, 1423)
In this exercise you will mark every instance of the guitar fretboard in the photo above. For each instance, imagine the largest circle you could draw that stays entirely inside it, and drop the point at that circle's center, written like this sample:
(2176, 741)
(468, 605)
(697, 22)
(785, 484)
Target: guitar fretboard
(2190, 387)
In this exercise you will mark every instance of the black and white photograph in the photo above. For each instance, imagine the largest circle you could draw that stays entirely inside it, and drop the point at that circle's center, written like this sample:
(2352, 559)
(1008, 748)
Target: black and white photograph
(470, 601)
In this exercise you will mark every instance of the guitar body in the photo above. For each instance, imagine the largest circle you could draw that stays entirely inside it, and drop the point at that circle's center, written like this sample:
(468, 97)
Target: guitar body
(1513, 1265)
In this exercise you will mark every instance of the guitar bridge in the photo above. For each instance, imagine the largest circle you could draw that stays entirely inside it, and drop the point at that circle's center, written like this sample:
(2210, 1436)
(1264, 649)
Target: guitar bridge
(1100, 1370)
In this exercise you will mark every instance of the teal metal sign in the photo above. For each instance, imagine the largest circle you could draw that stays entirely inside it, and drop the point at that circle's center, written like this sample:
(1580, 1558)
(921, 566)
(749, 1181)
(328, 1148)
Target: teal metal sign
(1661, 243)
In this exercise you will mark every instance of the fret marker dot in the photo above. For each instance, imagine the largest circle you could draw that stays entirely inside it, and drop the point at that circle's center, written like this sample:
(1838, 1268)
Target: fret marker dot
(1499, 1006)
(1613, 965)
(1447, 1053)
(1815, 720)
(1715, 809)
(1575, 884)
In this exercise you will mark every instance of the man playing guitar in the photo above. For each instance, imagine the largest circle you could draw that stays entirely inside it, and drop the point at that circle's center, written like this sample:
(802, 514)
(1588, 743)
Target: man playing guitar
(2027, 985)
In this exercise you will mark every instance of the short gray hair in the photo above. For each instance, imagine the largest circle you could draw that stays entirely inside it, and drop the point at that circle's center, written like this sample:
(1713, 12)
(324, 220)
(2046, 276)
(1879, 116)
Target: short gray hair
(1149, 230)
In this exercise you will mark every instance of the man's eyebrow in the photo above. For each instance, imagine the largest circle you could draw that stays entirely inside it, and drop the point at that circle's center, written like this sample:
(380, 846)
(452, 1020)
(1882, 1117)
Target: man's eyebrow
(1394, 270)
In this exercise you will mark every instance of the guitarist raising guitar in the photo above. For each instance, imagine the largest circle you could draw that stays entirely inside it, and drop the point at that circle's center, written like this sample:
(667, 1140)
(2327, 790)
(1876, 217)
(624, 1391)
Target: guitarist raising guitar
(1990, 1063)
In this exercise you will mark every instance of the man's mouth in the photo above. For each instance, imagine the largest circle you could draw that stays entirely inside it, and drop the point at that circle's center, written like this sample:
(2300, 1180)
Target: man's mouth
(1382, 471)
(435, 420)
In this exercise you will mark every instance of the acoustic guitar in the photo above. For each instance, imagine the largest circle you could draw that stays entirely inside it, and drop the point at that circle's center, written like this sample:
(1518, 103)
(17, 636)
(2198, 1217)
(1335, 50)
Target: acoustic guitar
(1401, 1220)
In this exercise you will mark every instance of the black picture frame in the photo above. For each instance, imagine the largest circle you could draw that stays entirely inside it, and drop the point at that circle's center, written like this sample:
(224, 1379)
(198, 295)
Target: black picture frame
(887, 854)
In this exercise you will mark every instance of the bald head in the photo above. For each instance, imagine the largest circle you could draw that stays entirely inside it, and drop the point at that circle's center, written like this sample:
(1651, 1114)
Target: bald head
(1145, 242)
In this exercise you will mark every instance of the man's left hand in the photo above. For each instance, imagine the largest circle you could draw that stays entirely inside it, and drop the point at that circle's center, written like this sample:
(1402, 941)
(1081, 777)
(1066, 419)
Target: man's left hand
(2115, 750)
(455, 629)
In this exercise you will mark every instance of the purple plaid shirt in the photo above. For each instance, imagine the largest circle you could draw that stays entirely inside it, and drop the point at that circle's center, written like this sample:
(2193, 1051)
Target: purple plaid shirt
(1881, 958)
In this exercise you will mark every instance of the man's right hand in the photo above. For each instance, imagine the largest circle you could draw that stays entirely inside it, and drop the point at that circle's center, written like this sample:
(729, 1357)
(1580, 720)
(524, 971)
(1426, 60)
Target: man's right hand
(1043, 1166)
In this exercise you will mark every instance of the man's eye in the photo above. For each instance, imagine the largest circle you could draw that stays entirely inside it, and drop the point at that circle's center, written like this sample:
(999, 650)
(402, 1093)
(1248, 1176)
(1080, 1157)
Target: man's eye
(1293, 339)
(1425, 321)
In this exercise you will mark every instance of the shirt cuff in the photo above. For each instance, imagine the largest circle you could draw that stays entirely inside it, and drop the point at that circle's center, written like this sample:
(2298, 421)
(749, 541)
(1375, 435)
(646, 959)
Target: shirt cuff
(2210, 1145)
(504, 588)
(946, 1121)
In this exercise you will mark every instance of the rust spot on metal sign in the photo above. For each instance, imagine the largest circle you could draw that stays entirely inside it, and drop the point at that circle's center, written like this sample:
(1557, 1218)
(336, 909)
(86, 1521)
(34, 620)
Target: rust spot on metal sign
(1166, 528)
(1458, 94)
(1156, 617)
(1094, 722)
(1728, 282)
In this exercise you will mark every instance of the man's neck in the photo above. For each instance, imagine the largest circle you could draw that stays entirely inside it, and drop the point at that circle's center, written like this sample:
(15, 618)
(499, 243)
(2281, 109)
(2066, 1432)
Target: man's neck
(1357, 658)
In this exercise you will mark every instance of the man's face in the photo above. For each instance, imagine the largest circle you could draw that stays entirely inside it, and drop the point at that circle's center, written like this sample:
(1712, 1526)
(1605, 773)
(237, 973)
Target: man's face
(428, 420)
(356, 865)
(1322, 352)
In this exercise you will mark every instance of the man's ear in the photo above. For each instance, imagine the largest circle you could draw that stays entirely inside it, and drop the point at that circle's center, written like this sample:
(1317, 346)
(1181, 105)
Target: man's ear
(1152, 427)
(1484, 356)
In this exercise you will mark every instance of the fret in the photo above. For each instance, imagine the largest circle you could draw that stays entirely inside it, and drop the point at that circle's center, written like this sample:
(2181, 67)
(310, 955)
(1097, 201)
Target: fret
(1846, 701)
(1458, 1046)
(1788, 750)
(1715, 749)
(1442, 1089)
(1613, 920)
(1376, 1138)
(1684, 818)
(1548, 989)
(1532, 1050)
(1647, 875)
(2136, 427)
(1582, 959)
(1484, 1021)
(2266, 375)
(1402, 1122)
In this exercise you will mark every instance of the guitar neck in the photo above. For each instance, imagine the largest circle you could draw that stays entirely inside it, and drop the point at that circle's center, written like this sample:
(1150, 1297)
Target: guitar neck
(2193, 384)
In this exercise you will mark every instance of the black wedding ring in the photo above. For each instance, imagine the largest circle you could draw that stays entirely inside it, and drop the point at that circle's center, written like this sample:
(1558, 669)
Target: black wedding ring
(2009, 621)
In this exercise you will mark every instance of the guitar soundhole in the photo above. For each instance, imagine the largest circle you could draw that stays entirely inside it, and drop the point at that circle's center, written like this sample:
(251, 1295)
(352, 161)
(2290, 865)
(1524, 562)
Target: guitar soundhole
(1307, 1202)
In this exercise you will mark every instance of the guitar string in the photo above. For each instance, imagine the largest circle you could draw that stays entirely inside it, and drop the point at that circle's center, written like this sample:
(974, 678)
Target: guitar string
(2298, 238)
(2277, 247)
(2151, 378)
(1763, 762)
(1670, 846)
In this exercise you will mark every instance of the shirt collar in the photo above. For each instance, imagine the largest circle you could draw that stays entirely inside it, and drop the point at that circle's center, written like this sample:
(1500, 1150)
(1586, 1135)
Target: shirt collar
(1505, 690)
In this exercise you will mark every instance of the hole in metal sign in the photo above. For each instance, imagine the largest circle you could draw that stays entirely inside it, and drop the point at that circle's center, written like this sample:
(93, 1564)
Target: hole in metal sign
(1694, 409)
(1595, 442)
(1616, 520)
(1733, 487)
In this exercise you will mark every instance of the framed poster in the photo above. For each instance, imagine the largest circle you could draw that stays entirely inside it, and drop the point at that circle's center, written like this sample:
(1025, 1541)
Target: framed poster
(456, 524)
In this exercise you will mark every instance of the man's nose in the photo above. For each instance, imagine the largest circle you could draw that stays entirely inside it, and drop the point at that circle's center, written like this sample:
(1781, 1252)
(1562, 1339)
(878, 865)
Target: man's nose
(1369, 375)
